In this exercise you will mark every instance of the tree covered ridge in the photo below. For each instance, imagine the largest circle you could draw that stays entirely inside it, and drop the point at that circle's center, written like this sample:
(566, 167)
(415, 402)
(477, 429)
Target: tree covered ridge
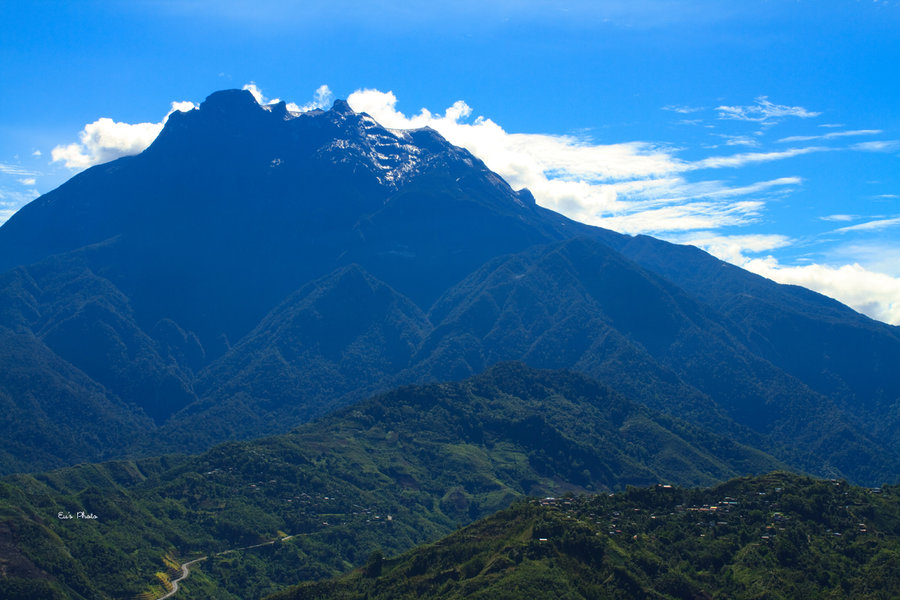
(773, 536)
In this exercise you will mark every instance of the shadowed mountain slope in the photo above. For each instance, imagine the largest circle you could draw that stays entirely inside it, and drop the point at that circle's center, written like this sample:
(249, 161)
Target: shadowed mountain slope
(254, 268)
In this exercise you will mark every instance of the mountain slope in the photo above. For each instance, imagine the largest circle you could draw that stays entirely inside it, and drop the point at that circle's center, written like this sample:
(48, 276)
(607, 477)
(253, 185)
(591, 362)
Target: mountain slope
(831, 348)
(330, 338)
(581, 304)
(235, 188)
(159, 281)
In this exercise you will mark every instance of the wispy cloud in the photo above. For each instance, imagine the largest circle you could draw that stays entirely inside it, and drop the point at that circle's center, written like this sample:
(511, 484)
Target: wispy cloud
(740, 160)
(683, 217)
(15, 170)
(16, 189)
(739, 140)
(843, 218)
(12, 200)
(878, 146)
(683, 110)
(829, 136)
(764, 111)
(872, 225)
(635, 187)
(734, 248)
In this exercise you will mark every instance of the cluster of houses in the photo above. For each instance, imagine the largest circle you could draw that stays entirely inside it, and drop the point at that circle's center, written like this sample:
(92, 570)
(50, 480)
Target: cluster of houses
(705, 516)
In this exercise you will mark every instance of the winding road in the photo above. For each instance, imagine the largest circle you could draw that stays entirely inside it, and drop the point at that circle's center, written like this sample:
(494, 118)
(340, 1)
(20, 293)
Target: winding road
(186, 570)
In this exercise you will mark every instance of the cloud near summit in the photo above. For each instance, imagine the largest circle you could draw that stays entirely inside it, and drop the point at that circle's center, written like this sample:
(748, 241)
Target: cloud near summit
(105, 140)
(641, 187)
(633, 187)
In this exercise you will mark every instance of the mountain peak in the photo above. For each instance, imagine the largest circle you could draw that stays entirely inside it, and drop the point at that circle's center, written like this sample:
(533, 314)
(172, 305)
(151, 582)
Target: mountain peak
(226, 100)
(342, 107)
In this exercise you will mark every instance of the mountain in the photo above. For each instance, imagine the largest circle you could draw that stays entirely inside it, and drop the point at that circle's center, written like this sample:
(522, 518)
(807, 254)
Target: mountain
(399, 469)
(772, 536)
(580, 304)
(256, 268)
(832, 349)
(236, 206)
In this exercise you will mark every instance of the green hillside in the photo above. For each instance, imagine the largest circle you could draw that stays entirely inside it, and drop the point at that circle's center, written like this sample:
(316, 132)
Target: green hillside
(774, 536)
(397, 470)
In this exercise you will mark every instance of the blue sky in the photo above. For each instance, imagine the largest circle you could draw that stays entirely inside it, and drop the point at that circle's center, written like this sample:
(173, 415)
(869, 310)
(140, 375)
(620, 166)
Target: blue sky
(765, 131)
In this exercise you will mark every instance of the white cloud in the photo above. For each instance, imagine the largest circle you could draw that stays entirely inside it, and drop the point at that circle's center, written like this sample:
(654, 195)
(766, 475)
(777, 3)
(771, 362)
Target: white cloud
(105, 140)
(871, 225)
(322, 99)
(683, 217)
(882, 255)
(16, 170)
(733, 248)
(867, 289)
(739, 140)
(764, 111)
(183, 106)
(36, 153)
(683, 110)
(839, 218)
(28, 181)
(16, 197)
(666, 207)
(13, 200)
(634, 187)
(871, 293)
(879, 146)
(739, 160)
(381, 106)
(829, 136)
(257, 93)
